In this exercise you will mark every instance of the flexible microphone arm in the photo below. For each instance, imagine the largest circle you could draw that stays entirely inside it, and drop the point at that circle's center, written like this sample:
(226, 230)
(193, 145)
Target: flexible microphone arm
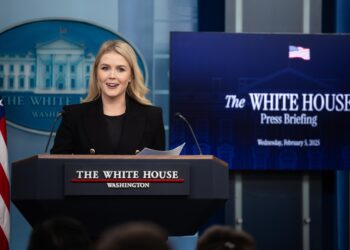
(52, 128)
(189, 126)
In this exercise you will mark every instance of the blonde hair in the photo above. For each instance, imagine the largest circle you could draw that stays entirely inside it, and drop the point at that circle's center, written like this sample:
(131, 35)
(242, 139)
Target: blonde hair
(136, 88)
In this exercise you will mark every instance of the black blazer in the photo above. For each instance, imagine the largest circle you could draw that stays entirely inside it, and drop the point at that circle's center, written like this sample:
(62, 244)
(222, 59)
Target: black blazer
(83, 129)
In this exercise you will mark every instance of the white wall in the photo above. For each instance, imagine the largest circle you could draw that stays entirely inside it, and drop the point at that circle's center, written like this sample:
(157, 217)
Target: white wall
(104, 12)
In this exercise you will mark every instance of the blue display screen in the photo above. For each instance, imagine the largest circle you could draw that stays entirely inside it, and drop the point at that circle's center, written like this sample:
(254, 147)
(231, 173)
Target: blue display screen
(263, 101)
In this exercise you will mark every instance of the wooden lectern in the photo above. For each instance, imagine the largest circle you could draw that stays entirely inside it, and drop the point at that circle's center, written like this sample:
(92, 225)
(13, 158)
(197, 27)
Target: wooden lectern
(177, 192)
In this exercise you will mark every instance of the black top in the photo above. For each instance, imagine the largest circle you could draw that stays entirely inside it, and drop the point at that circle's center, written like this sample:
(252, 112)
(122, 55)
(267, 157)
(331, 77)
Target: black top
(114, 128)
(84, 129)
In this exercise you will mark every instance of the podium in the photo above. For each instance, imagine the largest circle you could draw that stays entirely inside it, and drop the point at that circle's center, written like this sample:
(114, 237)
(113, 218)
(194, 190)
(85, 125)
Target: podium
(177, 192)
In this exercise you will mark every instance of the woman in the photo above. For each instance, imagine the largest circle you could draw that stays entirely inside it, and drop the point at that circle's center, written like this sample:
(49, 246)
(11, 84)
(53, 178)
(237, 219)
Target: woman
(115, 117)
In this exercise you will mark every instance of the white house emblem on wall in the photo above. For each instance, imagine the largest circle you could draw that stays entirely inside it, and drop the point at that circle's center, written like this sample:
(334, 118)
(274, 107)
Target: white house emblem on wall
(45, 65)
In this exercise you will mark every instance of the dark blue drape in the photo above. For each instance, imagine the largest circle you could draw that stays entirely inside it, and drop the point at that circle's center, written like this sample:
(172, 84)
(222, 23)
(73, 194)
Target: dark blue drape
(342, 16)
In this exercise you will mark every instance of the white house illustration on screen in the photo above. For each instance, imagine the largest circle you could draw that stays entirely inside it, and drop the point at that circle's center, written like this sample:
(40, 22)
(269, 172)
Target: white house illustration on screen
(58, 66)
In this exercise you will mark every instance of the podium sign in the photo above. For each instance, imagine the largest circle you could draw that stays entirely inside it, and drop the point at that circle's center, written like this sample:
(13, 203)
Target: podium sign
(179, 193)
(131, 179)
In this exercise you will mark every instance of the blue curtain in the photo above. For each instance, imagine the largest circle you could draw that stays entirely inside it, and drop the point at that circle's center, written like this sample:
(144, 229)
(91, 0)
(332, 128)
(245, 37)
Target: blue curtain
(342, 17)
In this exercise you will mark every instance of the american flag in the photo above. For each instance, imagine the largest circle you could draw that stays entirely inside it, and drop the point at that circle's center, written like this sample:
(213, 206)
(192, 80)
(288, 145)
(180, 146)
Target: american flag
(299, 52)
(4, 184)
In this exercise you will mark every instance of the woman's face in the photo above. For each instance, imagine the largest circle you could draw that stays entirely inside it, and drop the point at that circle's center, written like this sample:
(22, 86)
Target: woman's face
(113, 75)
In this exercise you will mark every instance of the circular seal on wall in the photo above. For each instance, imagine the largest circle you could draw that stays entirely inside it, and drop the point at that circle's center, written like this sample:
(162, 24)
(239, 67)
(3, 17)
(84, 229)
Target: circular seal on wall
(45, 65)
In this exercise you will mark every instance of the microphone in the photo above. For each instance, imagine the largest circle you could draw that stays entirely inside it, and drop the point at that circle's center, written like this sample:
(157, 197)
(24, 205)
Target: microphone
(52, 128)
(189, 126)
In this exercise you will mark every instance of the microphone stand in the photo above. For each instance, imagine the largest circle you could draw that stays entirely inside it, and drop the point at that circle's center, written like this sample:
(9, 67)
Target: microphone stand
(52, 128)
(191, 130)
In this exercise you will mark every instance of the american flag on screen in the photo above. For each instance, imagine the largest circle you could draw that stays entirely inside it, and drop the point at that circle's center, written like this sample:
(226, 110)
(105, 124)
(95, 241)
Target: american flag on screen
(4, 184)
(299, 52)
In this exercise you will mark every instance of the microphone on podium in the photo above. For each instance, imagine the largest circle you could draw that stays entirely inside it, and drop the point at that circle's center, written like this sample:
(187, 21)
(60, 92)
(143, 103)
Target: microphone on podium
(52, 128)
(191, 130)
